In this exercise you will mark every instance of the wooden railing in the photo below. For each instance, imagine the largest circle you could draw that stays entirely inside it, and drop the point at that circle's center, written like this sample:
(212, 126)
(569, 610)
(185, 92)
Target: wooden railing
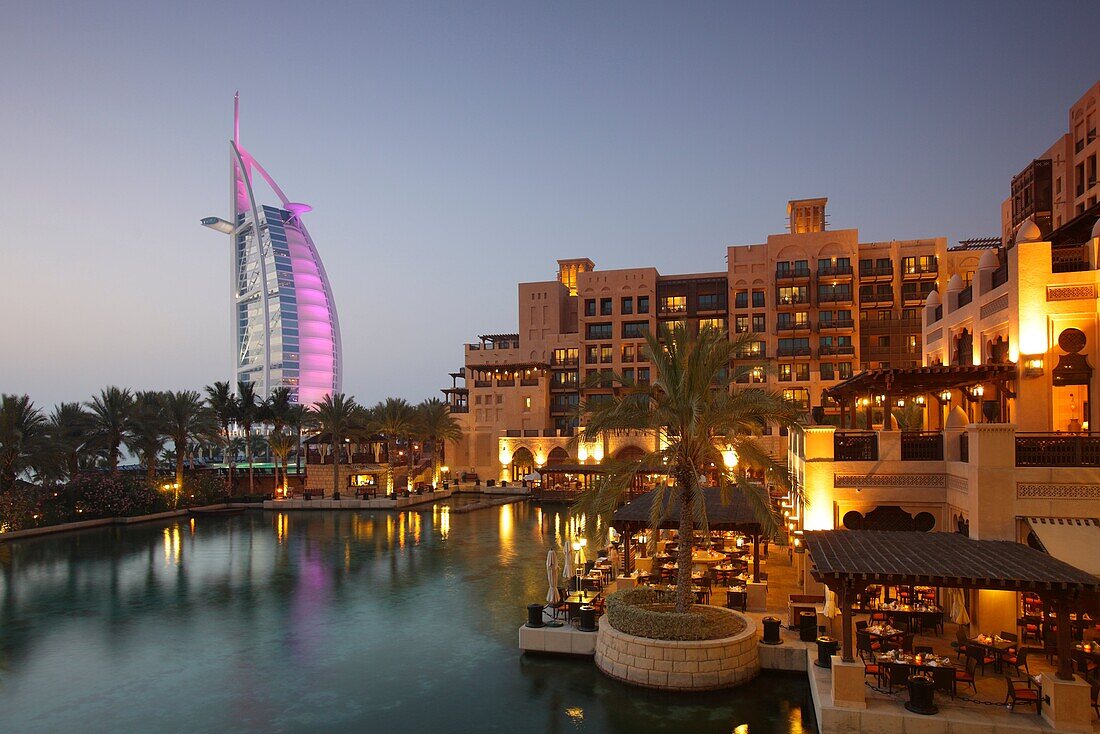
(921, 446)
(1057, 449)
(855, 446)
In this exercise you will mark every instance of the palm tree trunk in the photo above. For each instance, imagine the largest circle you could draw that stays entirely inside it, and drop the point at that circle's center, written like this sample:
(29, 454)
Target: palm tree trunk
(684, 596)
(248, 447)
(179, 473)
(227, 458)
(114, 456)
(335, 464)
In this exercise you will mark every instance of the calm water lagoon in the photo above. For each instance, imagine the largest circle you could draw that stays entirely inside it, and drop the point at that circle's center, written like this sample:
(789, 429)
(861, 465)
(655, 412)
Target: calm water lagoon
(319, 622)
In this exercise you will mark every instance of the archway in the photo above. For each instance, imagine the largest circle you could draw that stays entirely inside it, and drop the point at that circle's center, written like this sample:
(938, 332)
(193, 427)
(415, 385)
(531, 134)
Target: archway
(630, 453)
(523, 463)
(557, 456)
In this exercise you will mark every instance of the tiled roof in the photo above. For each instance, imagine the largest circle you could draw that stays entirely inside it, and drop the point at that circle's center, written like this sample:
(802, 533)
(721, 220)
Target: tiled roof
(739, 514)
(944, 559)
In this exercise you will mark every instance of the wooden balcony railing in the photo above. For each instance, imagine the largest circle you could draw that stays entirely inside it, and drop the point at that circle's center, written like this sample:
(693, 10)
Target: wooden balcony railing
(855, 446)
(921, 446)
(1057, 449)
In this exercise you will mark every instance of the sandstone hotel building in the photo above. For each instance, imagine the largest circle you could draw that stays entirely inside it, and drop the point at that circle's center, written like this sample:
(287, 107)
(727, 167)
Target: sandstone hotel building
(823, 304)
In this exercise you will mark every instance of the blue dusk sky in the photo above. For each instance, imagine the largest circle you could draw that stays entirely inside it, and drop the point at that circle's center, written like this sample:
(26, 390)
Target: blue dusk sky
(452, 150)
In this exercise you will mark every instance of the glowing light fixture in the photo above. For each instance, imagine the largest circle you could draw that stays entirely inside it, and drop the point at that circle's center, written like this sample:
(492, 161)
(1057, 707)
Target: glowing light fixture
(729, 457)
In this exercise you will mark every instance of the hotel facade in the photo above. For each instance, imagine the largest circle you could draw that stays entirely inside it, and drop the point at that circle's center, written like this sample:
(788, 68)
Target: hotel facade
(822, 304)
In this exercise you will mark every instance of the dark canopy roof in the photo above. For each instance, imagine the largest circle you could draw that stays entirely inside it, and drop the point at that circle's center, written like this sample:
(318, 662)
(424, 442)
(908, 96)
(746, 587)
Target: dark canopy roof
(901, 381)
(592, 469)
(737, 515)
(939, 559)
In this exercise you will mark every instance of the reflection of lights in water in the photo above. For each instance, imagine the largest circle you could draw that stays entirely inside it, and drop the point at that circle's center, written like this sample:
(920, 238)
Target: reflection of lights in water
(192, 523)
(389, 529)
(445, 522)
(416, 527)
(741, 729)
(172, 545)
(575, 714)
(794, 720)
(282, 524)
(506, 524)
(557, 528)
(347, 556)
(401, 530)
(538, 521)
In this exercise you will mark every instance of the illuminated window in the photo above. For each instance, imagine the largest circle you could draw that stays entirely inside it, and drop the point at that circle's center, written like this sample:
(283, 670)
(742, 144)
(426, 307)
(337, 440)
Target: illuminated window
(674, 304)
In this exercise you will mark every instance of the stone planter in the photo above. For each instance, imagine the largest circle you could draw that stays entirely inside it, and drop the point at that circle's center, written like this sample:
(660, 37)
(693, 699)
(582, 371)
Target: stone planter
(675, 665)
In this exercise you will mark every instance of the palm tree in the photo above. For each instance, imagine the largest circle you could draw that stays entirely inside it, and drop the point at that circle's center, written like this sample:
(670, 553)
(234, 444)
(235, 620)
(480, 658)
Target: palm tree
(275, 411)
(110, 412)
(437, 426)
(223, 403)
(335, 414)
(698, 412)
(281, 442)
(247, 412)
(68, 435)
(24, 442)
(297, 418)
(395, 418)
(147, 429)
(187, 420)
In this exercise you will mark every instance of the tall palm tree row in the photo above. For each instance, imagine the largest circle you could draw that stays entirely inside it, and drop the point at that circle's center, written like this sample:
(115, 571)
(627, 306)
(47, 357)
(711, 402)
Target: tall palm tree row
(275, 411)
(436, 427)
(395, 419)
(222, 402)
(110, 411)
(698, 411)
(68, 429)
(24, 439)
(147, 430)
(187, 422)
(335, 415)
(248, 413)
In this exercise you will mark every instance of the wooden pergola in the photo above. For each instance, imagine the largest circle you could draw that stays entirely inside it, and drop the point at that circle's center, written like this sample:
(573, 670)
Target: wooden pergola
(906, 382)
(847, 561)
(738, 515)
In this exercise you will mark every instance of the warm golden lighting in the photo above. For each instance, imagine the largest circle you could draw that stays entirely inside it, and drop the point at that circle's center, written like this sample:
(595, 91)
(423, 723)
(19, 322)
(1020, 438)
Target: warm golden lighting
(729, 457)
(945, 396)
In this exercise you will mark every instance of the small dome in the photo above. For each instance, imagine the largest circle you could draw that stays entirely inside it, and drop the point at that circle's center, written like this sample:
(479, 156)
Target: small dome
(1096, 229)
(988, 260)
(957, 418)
(955, 284)
(933, 299)
(1028, 231)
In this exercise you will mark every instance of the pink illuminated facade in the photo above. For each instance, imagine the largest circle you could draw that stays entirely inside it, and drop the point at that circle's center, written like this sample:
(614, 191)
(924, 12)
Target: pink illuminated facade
(285, 329)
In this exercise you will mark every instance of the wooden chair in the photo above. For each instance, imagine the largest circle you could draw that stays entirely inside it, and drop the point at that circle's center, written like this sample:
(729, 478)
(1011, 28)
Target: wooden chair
(1017, 658)
(870, 667)
(967, 674)
(1084, 665)
(1021, 690)
(862, 625)
(922, 649)
(897, 674)
(960, 643)
(1095, 693)
(736, 600)
(943, 679)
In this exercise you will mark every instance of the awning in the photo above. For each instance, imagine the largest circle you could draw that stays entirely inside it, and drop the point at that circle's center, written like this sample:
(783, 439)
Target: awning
(1075, 540)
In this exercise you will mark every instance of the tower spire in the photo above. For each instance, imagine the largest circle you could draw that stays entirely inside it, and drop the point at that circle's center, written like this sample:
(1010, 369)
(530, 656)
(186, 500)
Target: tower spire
(237, 118)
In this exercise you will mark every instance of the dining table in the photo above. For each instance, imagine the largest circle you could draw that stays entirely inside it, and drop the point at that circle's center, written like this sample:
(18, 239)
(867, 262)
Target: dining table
(925, 615)
(922, 663)
(995, 646)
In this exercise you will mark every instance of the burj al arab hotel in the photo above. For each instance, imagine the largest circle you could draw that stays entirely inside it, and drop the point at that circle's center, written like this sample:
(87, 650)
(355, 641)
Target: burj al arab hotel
(285, 329)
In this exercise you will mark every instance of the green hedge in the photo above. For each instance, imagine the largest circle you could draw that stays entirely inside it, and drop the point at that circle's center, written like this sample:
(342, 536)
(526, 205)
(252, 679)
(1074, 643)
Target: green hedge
(639, 612)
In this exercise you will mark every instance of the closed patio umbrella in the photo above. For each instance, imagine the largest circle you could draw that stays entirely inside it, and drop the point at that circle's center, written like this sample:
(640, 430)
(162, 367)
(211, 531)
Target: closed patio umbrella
(954, 601)
(832, 609)
(613, 556)
(552, 595)
(569, 571)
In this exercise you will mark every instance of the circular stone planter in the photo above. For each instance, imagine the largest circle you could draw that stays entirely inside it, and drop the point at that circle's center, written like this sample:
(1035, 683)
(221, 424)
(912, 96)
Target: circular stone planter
(679, 665)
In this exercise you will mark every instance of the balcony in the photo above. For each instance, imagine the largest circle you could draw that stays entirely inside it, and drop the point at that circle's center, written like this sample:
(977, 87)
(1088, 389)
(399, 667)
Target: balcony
(1069, 259)
(889, 326)
(834, 271)
(483, 383)
(919, 273)
(790, 301)
(921, 446)
(937, 315)
(789, 327)
(855, 446)
(836, 325)
(793, 352)
(1000, 275)
(876, 299)
(876, 272)
(529, 382)
(792, 274)
(914, 297)
(1057, 449)
(836, 350)
(506, 383)
(838, 297)
(566, 362)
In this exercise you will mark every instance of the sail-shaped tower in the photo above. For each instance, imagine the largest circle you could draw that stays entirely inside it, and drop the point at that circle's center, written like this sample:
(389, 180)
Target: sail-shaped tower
(285, 329)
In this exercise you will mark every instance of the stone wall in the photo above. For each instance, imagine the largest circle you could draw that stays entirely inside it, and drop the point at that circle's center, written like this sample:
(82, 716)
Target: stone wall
(679, 665)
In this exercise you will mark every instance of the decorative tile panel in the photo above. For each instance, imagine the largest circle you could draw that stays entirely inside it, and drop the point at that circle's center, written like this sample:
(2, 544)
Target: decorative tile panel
(1058, 491)
(861, 481)
(1071, 292)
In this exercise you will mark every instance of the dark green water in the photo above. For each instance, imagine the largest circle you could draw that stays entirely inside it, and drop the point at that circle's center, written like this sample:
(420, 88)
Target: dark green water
(318, 622)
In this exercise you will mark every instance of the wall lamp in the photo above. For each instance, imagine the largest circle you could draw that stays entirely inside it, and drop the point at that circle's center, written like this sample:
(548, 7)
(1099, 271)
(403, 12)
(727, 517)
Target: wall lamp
(1033, 364)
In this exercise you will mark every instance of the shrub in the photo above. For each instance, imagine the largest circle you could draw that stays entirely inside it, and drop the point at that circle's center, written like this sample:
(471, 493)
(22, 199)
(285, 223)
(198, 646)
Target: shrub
(640, 612)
